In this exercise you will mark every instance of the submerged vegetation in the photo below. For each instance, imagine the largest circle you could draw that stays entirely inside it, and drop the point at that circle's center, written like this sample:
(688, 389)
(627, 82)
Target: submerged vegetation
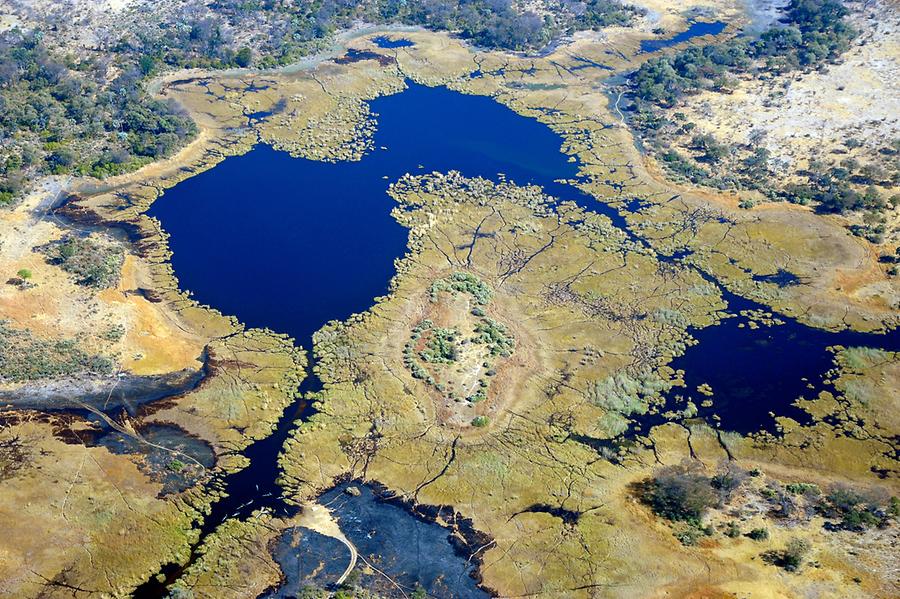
(623, 395)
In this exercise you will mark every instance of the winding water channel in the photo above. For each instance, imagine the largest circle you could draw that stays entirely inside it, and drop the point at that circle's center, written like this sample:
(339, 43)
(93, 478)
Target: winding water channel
(290, 244)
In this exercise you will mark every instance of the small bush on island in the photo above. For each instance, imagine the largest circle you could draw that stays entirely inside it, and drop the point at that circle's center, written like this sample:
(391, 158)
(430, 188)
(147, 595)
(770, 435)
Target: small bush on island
(93, 264)
(495, 336)
(441, 347)
(791, 557)
(480, 421)
(679, 493)
(463, 282)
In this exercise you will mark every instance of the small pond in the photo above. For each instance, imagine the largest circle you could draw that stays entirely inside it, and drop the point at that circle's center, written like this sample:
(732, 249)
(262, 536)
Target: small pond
(695, 29)
(384, 41)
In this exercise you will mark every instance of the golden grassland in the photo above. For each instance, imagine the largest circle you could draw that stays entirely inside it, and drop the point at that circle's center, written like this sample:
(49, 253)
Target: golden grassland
(569, 286)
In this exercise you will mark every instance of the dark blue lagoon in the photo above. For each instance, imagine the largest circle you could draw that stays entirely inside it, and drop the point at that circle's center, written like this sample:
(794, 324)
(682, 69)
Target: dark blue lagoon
(755, 372)
(289, 244)
(696, 29)
(384, 41)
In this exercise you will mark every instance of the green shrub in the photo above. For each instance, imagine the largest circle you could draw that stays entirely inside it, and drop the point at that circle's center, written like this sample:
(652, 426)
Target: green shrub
(732, 530)
(463, 282)
(802, 488)
(856, 510)
(679, 493)
(791, 557)
(495, 336)
(93, 264)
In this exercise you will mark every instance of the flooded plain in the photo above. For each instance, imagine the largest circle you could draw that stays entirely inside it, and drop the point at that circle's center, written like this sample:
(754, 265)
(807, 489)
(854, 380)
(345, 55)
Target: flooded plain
(290, 244)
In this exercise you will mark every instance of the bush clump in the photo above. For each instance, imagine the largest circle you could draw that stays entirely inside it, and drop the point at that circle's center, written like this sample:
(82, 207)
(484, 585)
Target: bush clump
(93, 264)
(791, 557)
(679, 493)
(856, 510)
(25, 358)
(758, 534)
(495, 336)
(441, 347)
(463, 282)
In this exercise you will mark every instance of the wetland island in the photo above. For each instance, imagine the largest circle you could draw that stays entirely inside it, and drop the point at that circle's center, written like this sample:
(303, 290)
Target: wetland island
(449, 298)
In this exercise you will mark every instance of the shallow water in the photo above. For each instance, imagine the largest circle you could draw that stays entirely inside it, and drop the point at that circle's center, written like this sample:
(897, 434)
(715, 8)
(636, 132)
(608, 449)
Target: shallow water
(170, 455)
(696, 29)
(108, 394)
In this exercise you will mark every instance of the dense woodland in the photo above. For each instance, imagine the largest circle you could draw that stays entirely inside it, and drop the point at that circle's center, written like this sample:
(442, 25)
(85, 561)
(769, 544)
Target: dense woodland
(60, 116)
(298, 28)
(812, 32)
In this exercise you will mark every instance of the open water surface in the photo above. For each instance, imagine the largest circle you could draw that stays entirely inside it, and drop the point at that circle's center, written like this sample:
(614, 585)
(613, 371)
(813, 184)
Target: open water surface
(695, 29)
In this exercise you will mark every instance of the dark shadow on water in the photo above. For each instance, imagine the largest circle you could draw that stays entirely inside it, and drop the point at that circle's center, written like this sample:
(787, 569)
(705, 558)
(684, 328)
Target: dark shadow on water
(170, 456)
(307, 559)
(781, 278)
